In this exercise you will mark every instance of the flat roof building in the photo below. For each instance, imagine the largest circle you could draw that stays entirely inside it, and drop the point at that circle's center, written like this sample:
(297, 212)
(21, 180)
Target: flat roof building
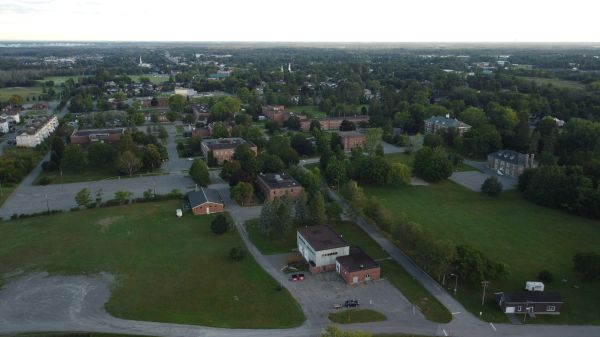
(352, 139)
(223, 148)
(436, 123)
(320, 245)
(97, 135)
(277, 185)
(357, 267)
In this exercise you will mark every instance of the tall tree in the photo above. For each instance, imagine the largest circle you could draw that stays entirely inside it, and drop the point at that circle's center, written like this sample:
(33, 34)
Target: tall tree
(317, 209)
(199, 173)
(129, 163)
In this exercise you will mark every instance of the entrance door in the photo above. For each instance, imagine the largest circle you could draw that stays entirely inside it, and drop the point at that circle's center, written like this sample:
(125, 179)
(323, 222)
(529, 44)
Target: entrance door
(354, 279)
(367, 277)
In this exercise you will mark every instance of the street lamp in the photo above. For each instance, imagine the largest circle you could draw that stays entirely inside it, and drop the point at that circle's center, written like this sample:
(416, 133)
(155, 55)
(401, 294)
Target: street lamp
(455, 282)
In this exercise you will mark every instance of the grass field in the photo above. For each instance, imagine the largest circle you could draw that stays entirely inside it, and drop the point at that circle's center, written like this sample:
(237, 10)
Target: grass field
(311, 109)
(390, 269)
(167, 269)
(555, 82)
(6, 192)
(509, 229)
(155, 79)
(24, 92)
(59, 80)
(357, 316)
(404, 158)
(89, 174)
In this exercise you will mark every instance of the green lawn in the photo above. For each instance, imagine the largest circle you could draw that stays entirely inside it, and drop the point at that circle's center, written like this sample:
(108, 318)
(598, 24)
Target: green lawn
(58, 80)
(155, 79)
(357, 316)
(508, 229)
(24, 92)
(167, 269)
(6, 192)
(390, 269)
(311, 109)
(89, 174)
(404, 158)
(555, 82)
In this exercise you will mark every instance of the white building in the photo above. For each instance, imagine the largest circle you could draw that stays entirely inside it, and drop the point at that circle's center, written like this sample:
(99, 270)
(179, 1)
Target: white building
(4, 125)
(37, 131)
(320, 246)
(185, 92)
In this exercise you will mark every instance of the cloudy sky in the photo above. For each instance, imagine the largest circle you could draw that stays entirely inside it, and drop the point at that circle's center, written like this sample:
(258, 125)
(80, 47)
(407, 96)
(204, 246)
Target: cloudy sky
(302, 20)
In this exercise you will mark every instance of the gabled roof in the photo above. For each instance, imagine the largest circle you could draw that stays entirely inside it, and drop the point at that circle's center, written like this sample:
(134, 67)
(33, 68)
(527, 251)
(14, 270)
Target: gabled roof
(446, 122)
(322, 237)
(204, 195)
(510, 156)
(532, 296)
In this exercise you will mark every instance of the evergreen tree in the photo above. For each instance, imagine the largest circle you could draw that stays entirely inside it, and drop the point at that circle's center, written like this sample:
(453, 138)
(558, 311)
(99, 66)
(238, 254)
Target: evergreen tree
(317, 209)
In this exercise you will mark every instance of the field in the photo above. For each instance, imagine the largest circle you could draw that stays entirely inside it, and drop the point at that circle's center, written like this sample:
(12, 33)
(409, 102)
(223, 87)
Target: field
(555, 82)
(311, 109)
(155, 79)
(509, 229)
(167, 269)
(24, 92)
(390, 269)
(6, 192)
(357, 316)
(59, 80)
(408, 159)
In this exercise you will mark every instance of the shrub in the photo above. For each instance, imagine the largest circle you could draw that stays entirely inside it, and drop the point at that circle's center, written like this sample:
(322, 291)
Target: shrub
(237, 254)
(220, 224)
(546, 276)
(492, 187)
(49, 166)
(44, 181)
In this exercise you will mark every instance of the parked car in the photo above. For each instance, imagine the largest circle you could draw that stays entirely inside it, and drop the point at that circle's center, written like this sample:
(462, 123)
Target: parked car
(337, 306)
(351, 304)
(297, 277)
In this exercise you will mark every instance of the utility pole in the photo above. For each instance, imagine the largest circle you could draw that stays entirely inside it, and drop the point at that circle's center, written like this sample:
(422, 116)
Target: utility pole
(484, 284)
(455, 282)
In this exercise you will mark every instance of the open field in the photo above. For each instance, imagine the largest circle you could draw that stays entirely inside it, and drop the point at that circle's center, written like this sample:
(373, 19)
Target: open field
(311, 109)
(155, 79)
(357, 316)
(555, 82)
(59, 80)
(167, 269)
(24, 92)
(508, 229)
(6, 192)
(89, 174)
(404, 158)
(390, 269)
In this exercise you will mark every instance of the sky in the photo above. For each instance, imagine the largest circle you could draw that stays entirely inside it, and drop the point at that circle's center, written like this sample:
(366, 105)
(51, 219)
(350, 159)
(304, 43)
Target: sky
(301, 20)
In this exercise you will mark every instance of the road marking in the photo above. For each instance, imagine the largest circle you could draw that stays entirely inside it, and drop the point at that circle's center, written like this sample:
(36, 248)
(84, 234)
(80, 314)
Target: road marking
(444, 331)
(493, 327)
(456, 313)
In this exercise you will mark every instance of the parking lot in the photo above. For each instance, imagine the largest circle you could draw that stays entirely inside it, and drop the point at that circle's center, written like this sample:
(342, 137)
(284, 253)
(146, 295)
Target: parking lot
(473, 179)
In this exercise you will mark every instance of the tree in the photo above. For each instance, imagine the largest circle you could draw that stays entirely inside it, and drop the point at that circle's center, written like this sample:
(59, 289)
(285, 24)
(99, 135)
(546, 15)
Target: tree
(237, 253)
(475, 117)
(162, 133)
(74, 158)
(229, 168)
(333, 211)
(432, 164)
(177, 103)
(355, 196)
(347, 125)
(220, 224)
(373, 138)
(242, 192)
(276, 218)
(151, 158)
(83, 198)
(225, 108)
(126, 143)
(398, 175)
(15, 100)
(101, 154)
(433, 140)
(492, 187)
(546, 276)
(199, 173)
(316, 208)
(336, 171)
(247, 158)
(302, 145)
(219, 130)
(301, 212)
(272, 127)
(58, 150)
(587, 264)
(474, 267)
(123, 196)
(128, 163)
(292, 123)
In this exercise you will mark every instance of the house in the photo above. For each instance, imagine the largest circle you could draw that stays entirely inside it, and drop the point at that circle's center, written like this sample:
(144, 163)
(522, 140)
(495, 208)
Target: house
(436, 123)
(320, 246)
(357, 267)
(274, 112)
(511, 163)
(205, 201)
(223, 148)
(37, 131)
(530, 302)
(201, 132)
(40, 106)
(185, 92)
(97, 135)
(12, 113)
(334, 123)
(201, 113)
(278, 185)
(4, 127)
(352, 139)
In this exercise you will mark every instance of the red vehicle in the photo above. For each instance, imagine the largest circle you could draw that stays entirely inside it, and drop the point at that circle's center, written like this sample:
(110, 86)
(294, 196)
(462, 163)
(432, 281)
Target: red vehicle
(301, 277)
(297, 277)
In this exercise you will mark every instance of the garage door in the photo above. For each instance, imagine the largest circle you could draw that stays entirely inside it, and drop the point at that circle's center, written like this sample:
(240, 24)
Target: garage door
(510, 310)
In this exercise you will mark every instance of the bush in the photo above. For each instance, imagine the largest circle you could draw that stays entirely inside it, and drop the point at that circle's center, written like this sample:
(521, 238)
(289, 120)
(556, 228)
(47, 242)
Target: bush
(492, 187)
(44, 181)
(237, 254)
(220, 224)
(49, 166)
(546, 276)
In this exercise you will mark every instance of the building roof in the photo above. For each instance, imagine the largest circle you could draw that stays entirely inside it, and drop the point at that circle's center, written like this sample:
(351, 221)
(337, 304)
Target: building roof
(322, 237)
(357, 260)
(85, 133)
(351, 134)
(446, 122)
(280, 180)
(348, 118)
(532, 296)
(510, 156)
(225, 143)
(204, 195)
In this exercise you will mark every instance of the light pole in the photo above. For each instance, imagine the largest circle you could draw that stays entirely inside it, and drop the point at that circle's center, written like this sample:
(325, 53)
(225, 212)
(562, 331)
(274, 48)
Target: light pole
(484, 284)
(455, 282)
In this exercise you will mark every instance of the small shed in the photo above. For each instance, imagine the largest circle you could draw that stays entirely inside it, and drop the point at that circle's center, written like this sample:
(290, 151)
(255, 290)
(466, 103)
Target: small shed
(205, 201)
(530, 302)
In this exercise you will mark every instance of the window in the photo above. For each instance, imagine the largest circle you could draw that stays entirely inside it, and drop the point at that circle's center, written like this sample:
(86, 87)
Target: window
(519, 308)
(329, 254)
(551, 308)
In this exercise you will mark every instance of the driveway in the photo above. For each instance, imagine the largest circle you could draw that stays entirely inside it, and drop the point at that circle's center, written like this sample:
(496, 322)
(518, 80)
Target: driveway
(473, 179)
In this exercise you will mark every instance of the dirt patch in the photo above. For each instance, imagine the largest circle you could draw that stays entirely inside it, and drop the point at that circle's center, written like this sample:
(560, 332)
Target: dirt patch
(106, 222)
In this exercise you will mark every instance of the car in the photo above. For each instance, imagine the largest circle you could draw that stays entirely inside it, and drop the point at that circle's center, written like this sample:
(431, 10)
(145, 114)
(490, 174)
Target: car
(294, 277)
(301, 277)
(351, 304)
(190, 158)
(337, 306)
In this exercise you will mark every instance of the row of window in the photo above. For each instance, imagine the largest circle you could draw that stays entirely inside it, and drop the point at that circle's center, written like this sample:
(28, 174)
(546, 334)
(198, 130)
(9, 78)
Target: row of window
(549, 308)
(329, 254)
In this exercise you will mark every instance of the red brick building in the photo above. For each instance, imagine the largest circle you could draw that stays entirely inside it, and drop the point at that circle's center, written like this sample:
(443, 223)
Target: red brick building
(40, 106)
(205, 201)
(274, 112)
(277, 185)
(223, 148)
(357, 267)
(333, 123)
(352, 139)
(97, 135)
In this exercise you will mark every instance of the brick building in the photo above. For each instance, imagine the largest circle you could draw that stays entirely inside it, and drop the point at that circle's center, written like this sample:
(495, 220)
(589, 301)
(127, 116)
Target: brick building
(97, 135)
(334, 123)
(320, 246)
(436, 123)
(277, 185)
(511, 163)
(274, 112)
(223, 148)
(205, 201)
(352, 139)
(357, 267)
(40, 106)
